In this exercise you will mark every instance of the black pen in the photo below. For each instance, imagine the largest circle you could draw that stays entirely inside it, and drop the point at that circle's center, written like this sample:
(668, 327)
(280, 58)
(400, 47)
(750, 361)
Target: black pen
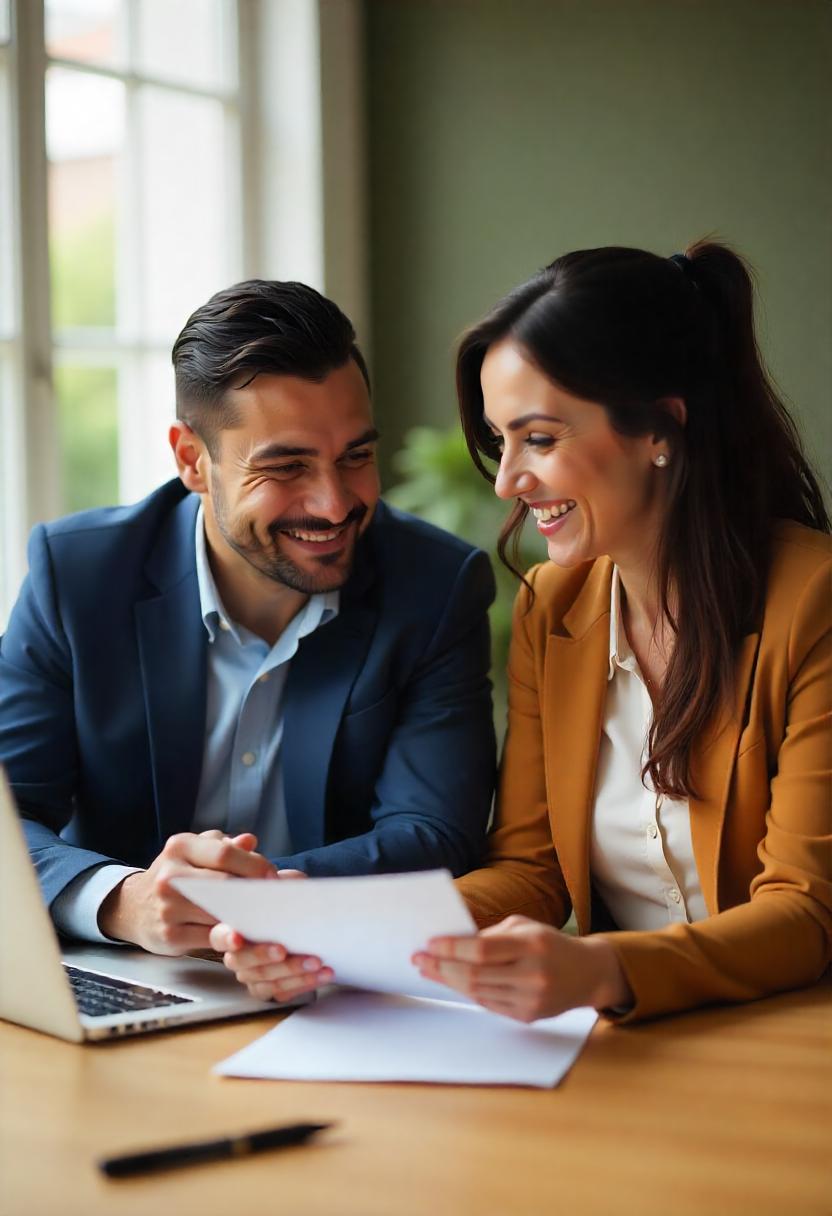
(208, 1150)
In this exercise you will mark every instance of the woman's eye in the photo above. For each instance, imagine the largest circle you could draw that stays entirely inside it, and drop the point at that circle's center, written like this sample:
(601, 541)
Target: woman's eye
(538, 440)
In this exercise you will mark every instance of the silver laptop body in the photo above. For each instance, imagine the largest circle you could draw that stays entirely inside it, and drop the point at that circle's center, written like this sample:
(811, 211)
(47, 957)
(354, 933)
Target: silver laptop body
(35, 989)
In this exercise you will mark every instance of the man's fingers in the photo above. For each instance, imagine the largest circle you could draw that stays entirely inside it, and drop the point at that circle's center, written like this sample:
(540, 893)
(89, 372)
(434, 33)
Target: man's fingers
(176, 908)
(223, 856)
(181, 937)
(291, 874)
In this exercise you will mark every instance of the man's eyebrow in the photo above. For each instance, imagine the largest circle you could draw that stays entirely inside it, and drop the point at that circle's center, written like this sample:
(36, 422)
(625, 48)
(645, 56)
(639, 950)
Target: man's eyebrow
(368, 437)
(273, 451)
(524, 420)
(277, 451)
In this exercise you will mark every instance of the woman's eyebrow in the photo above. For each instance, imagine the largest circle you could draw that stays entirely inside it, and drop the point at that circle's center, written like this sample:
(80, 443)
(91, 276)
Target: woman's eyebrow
(524, 420)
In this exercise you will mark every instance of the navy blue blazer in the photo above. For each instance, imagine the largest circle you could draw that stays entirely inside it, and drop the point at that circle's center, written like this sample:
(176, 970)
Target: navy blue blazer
(388, 750)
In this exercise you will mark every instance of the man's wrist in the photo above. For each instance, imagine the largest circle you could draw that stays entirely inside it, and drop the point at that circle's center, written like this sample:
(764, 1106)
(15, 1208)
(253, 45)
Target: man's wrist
(114, 919)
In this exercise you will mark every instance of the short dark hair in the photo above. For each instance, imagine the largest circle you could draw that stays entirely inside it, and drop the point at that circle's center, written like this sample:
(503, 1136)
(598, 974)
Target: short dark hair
(625, 328)
(260, 326)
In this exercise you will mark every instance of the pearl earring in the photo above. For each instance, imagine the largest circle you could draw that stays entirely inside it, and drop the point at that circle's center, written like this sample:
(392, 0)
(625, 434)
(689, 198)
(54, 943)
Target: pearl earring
(661, 461)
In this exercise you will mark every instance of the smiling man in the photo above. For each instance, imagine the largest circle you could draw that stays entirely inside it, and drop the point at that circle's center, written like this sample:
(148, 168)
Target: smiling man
(260, 667)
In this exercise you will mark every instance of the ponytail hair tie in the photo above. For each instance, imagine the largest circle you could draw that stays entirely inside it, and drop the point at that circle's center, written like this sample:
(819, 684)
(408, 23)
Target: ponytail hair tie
(685, 264)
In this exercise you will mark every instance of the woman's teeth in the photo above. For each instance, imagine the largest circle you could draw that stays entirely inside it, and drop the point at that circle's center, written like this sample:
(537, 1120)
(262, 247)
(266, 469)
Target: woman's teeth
(547, 513)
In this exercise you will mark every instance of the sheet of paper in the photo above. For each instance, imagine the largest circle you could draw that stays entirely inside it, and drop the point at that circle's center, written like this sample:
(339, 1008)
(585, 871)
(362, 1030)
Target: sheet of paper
(365, 1036)
(365, 929)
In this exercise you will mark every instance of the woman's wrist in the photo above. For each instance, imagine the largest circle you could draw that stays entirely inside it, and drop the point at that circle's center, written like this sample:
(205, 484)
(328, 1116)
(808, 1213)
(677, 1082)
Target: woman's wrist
(610, 987)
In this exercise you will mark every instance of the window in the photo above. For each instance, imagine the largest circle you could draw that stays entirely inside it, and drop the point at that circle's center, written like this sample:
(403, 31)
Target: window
(131, 189)
(142, 141)
(141, 167)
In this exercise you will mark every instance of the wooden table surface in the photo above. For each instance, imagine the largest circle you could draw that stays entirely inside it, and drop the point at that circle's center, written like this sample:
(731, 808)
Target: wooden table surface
(720, 1113)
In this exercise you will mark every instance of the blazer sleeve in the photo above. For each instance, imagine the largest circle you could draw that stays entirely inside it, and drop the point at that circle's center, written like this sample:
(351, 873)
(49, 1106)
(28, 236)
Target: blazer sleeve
(432, 797)
(523, 875)
(37, 724)
(782, 937)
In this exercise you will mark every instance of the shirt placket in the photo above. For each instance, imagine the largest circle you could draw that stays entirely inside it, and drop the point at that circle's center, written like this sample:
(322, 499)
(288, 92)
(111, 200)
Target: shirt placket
(249, 758)
(651, 827)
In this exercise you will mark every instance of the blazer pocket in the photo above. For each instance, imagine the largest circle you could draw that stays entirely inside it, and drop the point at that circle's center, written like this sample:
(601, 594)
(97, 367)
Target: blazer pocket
(361, 718)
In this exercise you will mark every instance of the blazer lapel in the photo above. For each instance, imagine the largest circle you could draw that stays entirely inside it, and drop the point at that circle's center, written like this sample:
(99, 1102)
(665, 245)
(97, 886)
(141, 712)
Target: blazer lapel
(172, 652)
(713, 767)
(321, 676)
(575, 688)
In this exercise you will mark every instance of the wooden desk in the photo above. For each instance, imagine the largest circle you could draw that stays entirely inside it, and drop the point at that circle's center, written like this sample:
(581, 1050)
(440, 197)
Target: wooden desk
(719, 1113)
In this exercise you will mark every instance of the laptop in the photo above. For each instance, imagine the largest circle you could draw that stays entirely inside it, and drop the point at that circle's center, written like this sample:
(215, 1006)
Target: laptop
(85, 992)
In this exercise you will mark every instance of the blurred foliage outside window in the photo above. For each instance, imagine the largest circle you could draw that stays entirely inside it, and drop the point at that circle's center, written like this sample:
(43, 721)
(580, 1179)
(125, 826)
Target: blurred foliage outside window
(440, 484)
(82, 267)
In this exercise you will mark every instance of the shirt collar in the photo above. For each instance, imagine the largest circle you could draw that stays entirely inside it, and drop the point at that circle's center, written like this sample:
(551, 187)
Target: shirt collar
(621, 654)
(319, 609)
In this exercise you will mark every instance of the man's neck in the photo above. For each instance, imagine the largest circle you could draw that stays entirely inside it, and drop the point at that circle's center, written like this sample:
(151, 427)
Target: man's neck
(252, 600)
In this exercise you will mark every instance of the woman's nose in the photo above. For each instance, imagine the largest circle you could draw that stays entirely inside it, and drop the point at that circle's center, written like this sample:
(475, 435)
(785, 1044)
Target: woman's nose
(512, 480)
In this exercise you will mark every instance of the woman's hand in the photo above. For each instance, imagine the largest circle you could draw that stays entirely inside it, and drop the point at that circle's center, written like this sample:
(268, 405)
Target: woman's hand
(268, 970)
(526, 970)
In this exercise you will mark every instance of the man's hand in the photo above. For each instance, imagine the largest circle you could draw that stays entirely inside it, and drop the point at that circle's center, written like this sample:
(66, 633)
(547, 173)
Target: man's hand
(526, 970)
(268, 970)
(146, 910)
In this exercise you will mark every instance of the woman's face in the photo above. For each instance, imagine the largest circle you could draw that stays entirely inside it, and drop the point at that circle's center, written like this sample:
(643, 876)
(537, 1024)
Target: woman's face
(593, 492)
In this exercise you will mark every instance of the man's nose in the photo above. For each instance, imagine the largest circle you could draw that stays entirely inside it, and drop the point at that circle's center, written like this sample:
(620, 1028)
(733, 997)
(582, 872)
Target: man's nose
(330, 498)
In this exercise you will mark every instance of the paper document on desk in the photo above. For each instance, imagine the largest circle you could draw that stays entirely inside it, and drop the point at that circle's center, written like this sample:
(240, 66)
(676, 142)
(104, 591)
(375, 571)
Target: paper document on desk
(366, 1036)
(365, 929)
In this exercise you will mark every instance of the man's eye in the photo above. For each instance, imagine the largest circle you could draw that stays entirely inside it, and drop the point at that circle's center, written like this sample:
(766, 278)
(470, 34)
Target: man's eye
(360, 456)
(537, 439)
(285, 470)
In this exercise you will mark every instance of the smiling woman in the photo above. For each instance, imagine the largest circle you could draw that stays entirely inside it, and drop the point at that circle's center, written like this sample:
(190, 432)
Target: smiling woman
(666, 769)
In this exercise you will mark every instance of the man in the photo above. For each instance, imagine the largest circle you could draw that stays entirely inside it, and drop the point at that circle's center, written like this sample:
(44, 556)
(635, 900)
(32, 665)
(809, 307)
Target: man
(261, 651)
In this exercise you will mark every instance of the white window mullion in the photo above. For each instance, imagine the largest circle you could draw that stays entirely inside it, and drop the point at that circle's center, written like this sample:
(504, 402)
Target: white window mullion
(39, 466)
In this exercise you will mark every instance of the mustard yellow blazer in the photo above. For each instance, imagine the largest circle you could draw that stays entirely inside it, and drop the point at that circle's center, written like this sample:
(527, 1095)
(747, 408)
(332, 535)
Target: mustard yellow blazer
(761, 826)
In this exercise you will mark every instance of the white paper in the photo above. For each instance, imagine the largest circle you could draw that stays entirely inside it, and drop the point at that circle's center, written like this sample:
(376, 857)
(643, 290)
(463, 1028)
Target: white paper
(365, 929)
(362, 1036)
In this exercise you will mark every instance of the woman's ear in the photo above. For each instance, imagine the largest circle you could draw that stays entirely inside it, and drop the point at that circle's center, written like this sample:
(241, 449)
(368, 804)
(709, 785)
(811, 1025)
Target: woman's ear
(191, 456)
(676, 408)
(661, 441)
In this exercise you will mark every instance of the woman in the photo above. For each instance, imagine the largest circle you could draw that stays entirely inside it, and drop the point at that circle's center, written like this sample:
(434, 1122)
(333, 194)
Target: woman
(666, 768)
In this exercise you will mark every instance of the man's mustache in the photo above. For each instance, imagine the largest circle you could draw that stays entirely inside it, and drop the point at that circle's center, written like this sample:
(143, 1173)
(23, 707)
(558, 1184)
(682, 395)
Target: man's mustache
(312, 523)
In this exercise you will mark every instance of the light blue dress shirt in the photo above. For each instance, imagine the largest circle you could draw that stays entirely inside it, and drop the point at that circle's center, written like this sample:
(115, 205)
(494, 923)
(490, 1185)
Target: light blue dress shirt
(241, 786)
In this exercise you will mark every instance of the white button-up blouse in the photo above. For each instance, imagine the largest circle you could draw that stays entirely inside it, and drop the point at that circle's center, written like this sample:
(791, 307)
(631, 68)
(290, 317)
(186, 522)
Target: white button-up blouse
(641, 855)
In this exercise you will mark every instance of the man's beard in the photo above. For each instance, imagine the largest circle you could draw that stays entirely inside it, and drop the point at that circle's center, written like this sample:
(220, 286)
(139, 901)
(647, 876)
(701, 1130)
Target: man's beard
(333, 569)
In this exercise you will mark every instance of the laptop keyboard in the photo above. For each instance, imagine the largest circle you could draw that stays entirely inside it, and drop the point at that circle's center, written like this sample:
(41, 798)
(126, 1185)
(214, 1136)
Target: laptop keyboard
(97, 995)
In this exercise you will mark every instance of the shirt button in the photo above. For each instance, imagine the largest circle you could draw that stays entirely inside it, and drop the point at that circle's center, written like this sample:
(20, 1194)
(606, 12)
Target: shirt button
(250, 757)
(224, 625)
(652, 831)
(674, 895)
(264, 678)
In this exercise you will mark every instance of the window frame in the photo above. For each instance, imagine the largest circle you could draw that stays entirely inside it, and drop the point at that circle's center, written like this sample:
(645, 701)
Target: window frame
(31, 489)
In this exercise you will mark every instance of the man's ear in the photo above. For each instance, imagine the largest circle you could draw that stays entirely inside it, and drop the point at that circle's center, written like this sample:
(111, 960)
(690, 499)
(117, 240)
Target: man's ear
(191, 456)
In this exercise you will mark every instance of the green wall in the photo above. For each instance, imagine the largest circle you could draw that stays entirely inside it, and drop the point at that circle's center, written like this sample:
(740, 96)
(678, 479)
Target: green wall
(505, 133)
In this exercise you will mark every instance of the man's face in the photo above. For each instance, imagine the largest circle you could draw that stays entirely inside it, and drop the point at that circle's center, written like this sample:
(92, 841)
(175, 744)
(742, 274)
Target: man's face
(293, 486)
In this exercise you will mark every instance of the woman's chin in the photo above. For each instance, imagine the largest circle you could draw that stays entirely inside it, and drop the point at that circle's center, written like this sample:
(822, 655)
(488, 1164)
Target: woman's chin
(567, 555)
